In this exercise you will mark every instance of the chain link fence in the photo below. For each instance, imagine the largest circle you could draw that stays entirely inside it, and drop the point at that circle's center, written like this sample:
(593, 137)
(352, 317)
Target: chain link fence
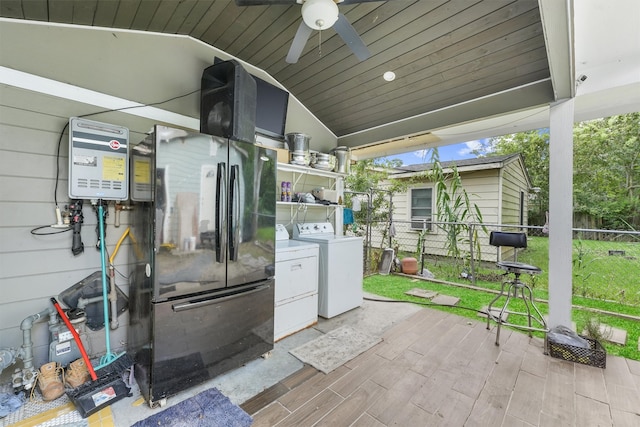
(606, 263)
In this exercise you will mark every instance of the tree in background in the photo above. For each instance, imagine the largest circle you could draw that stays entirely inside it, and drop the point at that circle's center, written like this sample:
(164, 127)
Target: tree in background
(534, 147)
(606, 168)
(607, 171)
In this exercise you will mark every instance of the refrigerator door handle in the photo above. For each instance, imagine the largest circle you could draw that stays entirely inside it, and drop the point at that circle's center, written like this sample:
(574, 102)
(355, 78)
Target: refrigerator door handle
(221, 194)
(234, 212)
(215, 300)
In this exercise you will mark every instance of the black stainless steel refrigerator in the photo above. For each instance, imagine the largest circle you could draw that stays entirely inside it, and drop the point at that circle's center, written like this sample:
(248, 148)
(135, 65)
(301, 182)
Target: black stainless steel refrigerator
(203, 250)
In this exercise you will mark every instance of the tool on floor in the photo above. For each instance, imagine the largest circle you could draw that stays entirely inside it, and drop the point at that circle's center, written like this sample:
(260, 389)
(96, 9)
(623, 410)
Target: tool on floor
(104, 389)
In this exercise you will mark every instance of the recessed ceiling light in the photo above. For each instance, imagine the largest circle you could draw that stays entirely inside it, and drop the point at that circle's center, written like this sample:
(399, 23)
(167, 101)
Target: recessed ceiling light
(389, 76)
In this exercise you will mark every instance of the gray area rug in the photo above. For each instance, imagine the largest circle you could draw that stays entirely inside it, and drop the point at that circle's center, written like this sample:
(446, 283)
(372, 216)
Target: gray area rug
(207, 409)
(335, 348)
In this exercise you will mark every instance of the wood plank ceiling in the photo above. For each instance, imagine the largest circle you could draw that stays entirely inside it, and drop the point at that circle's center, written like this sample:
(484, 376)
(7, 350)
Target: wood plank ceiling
(443, 52)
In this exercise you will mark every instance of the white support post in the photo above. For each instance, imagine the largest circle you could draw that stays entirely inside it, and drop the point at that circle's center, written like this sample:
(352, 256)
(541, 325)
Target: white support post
(561, 118)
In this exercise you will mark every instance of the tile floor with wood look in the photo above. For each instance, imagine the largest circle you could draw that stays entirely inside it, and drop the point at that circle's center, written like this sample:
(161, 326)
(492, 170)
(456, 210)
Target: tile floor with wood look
(439, 369)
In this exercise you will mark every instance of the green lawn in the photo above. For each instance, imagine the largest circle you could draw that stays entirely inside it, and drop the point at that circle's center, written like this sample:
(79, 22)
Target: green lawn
(596, 273)
(471, 301)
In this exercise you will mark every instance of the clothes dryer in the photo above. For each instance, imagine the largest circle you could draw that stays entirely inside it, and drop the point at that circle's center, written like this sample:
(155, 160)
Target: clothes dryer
(341, 267)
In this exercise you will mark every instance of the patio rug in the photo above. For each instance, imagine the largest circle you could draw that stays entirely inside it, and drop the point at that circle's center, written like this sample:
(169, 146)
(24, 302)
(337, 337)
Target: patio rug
(335, 348)
(207, 409)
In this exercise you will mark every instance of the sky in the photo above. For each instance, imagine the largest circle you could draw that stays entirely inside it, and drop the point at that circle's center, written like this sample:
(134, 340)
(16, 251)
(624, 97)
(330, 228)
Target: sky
(449, 152)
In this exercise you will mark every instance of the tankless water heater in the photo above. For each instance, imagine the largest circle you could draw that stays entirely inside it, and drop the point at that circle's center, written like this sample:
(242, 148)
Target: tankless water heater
(98, 160)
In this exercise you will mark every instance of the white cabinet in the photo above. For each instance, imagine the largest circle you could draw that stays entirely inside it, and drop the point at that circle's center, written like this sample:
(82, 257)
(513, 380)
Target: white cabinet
(305, 179)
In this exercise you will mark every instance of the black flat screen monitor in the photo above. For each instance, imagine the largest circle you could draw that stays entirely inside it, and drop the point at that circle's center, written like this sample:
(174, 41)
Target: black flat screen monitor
(271, 109)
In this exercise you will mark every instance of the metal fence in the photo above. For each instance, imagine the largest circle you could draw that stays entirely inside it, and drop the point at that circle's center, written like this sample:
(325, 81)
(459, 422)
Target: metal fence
(606, 263)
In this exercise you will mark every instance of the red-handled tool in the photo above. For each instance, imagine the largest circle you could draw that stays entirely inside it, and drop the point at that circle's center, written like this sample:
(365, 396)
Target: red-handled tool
(76, 337)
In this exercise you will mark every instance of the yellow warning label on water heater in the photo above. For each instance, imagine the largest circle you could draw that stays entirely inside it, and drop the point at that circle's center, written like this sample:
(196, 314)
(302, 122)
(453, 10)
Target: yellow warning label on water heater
(142, 171)
(113, 168)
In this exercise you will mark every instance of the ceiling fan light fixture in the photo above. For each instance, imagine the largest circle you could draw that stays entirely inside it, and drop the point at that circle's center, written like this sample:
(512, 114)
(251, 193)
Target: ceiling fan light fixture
(320, 14)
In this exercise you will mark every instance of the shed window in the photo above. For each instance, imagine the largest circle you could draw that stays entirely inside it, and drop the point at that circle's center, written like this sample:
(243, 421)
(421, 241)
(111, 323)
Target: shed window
(421, 208)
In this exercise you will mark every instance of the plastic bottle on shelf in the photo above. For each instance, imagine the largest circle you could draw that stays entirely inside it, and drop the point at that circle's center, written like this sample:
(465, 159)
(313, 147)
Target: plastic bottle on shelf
(288, 192)
(283, 191)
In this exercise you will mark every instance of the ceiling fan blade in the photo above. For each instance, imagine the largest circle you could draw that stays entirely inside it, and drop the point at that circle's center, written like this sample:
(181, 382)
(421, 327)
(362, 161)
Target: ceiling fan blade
(351, 38)
(298, 43)
(263, 2)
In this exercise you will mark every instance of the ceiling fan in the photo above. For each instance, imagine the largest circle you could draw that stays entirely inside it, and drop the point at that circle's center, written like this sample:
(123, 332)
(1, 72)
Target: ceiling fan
(319, 15)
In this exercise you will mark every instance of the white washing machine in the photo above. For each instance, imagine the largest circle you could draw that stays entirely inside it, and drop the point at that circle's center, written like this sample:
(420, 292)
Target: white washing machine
(296, 292)
(341, 267)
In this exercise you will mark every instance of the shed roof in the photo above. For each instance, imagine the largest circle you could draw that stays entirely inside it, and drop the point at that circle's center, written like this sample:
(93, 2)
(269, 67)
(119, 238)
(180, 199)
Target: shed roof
(489, 162)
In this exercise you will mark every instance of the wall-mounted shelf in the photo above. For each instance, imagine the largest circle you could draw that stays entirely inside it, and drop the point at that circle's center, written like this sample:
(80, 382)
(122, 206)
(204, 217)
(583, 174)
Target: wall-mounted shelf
(288, 167)
(304, 179)
(312, 205)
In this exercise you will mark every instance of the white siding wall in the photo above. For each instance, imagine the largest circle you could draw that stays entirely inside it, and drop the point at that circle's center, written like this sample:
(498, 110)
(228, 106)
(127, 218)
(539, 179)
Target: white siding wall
(513, 183)
(483, 188)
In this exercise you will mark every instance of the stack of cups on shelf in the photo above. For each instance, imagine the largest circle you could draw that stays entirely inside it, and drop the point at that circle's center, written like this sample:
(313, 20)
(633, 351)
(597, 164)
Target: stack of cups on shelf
(285, 191)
